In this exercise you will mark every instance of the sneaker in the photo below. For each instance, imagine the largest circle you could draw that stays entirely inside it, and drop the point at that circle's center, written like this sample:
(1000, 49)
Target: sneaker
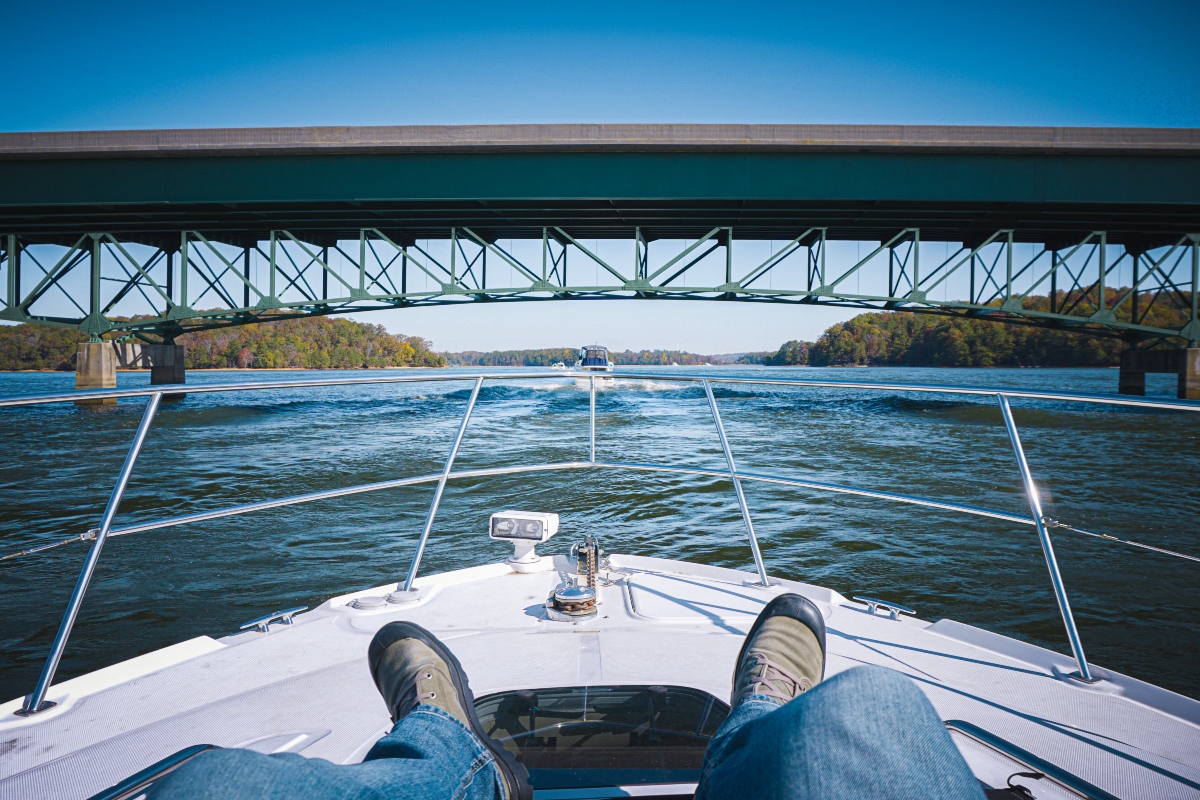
(411, 667)
(784, 653)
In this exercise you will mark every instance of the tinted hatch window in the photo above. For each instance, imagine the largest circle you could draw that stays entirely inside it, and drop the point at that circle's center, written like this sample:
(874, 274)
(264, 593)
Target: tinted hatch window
(605, 735)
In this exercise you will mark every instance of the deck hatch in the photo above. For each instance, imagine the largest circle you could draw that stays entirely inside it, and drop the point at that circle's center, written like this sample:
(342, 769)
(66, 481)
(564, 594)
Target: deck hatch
(688, 598)
(589, 736)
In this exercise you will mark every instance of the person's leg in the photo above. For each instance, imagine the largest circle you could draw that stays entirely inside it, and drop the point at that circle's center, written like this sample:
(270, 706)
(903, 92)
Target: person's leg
(437, 748)
(867, 732)
(427, 755)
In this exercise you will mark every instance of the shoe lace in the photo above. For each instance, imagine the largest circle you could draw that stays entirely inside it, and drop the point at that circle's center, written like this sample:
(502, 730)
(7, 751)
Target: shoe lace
(413, 696)
(772, 680)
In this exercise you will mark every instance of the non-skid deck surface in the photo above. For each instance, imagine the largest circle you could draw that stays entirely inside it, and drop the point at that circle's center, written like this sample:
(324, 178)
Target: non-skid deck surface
(661, 622)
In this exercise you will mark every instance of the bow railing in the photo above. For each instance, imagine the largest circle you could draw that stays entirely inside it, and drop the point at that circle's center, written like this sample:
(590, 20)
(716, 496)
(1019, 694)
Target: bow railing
(36, 701)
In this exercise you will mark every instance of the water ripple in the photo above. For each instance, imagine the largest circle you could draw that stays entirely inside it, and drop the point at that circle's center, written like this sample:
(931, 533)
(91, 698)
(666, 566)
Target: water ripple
(1127, 472)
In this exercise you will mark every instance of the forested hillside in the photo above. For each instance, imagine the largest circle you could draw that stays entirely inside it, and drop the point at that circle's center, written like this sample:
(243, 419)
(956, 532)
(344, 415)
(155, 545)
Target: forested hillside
(877, 339)
(925, 340)
(32, 346)
(569, 355)
(311, 343)
(513, 358)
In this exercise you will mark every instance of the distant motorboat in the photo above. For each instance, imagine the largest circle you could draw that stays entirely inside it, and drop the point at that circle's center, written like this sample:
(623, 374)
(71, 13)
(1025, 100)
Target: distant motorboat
(559, 365)
(593, 358)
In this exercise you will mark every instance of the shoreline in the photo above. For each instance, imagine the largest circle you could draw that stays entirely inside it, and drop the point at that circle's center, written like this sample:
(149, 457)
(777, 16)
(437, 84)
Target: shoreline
(510, 366)
(232, 369)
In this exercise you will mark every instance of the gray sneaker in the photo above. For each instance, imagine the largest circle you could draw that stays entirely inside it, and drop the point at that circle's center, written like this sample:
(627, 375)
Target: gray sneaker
(784, 652)
(412, 667)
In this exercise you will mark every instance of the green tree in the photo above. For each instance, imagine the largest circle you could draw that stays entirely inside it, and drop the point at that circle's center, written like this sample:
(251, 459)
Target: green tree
(789, 354)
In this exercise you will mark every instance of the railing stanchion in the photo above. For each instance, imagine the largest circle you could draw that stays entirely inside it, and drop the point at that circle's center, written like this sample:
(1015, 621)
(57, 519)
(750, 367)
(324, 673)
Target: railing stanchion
(36, 701)
(737, 486)
(441, 487)
(1039, 520)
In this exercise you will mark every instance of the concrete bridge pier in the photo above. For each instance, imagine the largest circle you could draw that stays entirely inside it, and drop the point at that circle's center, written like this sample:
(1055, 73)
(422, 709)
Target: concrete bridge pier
(1184, 362)
(96, 365)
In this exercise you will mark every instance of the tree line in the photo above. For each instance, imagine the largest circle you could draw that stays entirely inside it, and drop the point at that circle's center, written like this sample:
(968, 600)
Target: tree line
(306, 343)
(548, 357)
(893, 339)
(875, 339)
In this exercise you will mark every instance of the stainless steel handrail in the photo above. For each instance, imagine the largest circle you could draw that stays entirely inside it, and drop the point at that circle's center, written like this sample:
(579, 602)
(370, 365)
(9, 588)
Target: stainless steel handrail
(931, 388)
(35, 702)
(737, 486)
(1039, 519)
(441, 487)
(488, 472)
(758, 477)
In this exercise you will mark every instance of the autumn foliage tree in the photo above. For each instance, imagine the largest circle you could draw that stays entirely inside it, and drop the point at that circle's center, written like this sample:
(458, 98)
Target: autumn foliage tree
(926, 340)
(311, 342)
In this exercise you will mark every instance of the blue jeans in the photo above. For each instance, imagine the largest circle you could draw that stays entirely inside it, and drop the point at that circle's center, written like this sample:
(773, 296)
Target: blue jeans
(865, 733)
(868, 732)
(428, 754)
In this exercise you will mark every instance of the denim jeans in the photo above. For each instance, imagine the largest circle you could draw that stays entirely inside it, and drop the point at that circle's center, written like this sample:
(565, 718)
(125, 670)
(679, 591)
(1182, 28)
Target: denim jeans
(868, 732)
(428, 754)
(865, 733)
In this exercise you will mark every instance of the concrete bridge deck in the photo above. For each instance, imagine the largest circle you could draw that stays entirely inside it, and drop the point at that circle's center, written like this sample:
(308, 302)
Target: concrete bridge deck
(150, 234)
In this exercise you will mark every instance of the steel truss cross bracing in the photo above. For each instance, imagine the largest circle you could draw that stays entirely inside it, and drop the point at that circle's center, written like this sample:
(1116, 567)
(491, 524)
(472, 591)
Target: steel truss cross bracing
(107, 287)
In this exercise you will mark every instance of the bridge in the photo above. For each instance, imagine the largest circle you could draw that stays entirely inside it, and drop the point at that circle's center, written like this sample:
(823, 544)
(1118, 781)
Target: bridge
(142, 236)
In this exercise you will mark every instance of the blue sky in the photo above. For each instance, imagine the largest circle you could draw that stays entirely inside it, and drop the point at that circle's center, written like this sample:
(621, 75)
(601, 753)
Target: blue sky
(149, 65)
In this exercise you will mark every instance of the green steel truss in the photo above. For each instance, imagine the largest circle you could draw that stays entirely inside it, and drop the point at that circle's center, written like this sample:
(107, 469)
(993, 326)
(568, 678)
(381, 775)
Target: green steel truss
(114, 289)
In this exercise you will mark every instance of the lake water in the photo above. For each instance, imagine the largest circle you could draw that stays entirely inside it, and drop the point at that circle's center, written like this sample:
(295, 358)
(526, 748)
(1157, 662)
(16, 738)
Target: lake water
(1130, 473)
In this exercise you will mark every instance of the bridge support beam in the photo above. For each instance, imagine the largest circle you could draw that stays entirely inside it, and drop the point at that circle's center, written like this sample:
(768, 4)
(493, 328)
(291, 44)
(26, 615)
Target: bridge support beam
(96, 365)
(1184, 362)
(1189, 374)
(95, 368)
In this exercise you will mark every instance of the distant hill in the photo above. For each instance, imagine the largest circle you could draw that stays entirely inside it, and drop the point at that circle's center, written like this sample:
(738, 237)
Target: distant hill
(569, 355)
(513, 358)
(885, 338)
(309, 343)
(876, 339)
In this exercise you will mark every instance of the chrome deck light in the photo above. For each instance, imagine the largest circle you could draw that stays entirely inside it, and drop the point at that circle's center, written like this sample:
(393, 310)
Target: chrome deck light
(526, 530)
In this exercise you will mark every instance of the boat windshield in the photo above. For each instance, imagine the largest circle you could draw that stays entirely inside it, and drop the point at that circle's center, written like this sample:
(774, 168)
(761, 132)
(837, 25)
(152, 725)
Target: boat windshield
(593, 357)
(587, 736)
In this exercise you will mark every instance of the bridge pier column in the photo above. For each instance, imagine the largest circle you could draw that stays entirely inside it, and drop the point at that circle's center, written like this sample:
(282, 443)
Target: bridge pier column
(1131, 380)
(95, 368)
(96, 365)
(166, 365)
(165, 362)
(1184, 362)
(1189, 374)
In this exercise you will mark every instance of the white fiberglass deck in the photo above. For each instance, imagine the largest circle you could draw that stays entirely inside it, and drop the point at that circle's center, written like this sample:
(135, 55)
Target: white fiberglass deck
(306, 688)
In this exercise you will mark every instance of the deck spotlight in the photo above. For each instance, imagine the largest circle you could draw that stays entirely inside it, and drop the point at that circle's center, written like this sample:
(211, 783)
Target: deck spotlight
(526, 530)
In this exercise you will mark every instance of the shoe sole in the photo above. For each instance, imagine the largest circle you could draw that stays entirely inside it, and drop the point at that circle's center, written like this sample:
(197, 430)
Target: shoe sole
(515, 773)
(796, 607)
